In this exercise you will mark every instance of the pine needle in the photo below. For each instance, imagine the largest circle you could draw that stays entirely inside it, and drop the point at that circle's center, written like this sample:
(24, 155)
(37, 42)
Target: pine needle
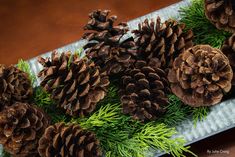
(205, 33)
(111, 97)
(25, 67)
(199, 114)
(176, 112)
(160, 137)
(120, 136)
(43, 100)
(5, 154)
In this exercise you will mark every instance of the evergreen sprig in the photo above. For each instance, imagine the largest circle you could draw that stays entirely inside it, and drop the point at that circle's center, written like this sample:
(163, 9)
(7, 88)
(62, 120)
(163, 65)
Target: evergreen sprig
(5, 154)
(121, 136)
(204, 32)
(160, 137)
(43, 100)
(25, 67)
(176, 112)
(200, 113)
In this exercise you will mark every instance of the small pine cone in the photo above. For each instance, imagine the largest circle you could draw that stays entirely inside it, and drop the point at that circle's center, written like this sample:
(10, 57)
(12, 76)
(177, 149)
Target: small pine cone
(200, 76)
(229, 50)
(104, 42)
(75, 84)
(15, 85)
(221, 13)
(21, 126)
(144, 90)
(60, 140)
(162, 40)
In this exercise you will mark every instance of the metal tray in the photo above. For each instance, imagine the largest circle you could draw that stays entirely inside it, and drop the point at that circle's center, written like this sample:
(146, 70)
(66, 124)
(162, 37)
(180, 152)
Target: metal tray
(221, 116)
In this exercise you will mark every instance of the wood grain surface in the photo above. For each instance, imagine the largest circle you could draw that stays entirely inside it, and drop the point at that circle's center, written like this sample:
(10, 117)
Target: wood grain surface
(32, 27)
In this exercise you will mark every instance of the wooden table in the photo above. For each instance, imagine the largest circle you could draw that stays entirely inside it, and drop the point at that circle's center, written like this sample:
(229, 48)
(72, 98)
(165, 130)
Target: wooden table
(32, 27)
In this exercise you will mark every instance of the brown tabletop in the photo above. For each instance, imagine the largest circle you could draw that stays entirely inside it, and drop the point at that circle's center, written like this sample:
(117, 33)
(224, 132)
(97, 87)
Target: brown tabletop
(32, 27)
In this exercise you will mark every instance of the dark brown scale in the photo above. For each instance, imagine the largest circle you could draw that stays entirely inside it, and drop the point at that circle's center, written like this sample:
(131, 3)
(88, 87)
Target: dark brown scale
(75, 84)
(144, 90)
(71, 140)
(105, 44)
(221, 13)
(21, 126)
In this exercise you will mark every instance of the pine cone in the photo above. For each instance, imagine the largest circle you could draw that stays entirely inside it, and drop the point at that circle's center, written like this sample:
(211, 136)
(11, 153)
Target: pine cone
(104, 42)
(76, 84)
(70, 141)
(15, 86)
(21, 125)
(144, 90)
(200, 76)
(164, 41)
(221, 13)
(229, 50)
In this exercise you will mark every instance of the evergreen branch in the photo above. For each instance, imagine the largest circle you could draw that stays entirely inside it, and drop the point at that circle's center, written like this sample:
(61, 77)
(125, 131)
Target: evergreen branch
(120, 136)
(111, 97)
(160, 137)
(106, 115)
(79, 52)
(43, 100)
(200, 113)
(5, 154)
(25, 67)
(176, 112)
(204, 32)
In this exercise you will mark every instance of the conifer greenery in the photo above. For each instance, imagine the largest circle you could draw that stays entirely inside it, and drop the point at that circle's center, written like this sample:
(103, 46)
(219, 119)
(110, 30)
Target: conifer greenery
(204, 32)
(25, 67)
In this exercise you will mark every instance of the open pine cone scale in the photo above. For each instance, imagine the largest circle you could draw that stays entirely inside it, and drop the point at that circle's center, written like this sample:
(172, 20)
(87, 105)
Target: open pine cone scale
(61, 140)
(15, 86)
(106, 46)
(162, 40)
(143, 90)
(76, 84)
(21, 126)
(200, 76)
(228, 49)
(221, 13)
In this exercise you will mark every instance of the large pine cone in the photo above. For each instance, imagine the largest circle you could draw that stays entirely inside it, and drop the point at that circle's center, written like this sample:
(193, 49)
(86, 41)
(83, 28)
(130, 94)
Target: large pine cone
(21, 126)
(144, 90)
(60, 140)
(200, 76)
(162, 40)
(76, 84)
(221, 13)
(229, 50)
(15, 85)
(104, 45)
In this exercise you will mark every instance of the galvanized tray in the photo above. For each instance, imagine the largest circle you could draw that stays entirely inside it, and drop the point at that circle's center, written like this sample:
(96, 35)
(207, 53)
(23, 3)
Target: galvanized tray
(221, 116)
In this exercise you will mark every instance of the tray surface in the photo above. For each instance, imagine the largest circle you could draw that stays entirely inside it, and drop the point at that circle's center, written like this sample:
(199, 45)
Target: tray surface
(221, 116)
